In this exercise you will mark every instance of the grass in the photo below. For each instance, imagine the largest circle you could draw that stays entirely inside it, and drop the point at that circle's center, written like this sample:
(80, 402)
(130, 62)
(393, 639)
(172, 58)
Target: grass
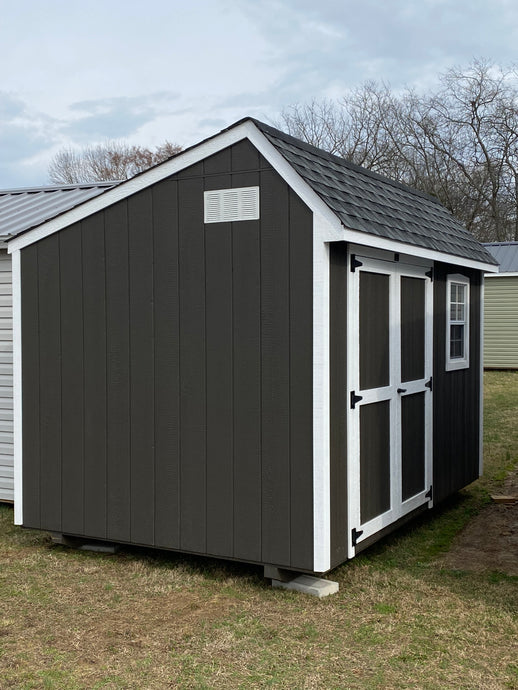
(144, 619)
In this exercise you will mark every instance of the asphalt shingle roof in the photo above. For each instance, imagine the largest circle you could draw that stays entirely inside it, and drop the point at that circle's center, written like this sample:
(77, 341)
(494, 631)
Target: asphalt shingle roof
(506, 254)
(370, 203)
(25, 208)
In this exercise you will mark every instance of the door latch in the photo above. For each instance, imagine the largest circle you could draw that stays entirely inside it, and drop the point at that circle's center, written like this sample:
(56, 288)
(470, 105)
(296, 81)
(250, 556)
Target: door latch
(401, 390)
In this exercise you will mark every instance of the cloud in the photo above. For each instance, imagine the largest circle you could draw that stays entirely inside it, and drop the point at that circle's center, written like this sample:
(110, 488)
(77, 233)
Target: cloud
(115, 118)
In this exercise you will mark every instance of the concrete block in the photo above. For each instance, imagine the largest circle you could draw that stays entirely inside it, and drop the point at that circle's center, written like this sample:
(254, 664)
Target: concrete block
(307, 584)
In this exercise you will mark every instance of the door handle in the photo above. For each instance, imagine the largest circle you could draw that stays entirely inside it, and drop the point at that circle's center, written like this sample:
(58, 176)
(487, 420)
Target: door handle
(401, 390)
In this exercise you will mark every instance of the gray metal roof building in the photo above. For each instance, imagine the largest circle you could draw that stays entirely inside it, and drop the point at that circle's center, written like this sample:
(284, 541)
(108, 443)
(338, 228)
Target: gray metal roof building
(26, 207)
(506, 254)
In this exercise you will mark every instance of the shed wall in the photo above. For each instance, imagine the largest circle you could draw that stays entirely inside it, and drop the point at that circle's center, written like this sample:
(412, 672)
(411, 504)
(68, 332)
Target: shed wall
(6, 379)
(501, 322)
(456, 394)
(167, 371)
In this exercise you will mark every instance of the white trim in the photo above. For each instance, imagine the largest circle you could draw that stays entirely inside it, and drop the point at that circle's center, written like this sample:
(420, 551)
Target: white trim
(323, 233)
(481, 387)
(453, 364)
(17, 389)
(245, 130)
(508, 274)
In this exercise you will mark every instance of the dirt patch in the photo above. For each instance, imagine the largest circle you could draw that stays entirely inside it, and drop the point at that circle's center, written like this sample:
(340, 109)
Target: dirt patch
(490, 541)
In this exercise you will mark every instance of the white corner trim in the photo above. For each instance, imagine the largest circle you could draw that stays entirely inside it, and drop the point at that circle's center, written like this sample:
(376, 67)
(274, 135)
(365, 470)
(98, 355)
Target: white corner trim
(17, 389)
(321, 408)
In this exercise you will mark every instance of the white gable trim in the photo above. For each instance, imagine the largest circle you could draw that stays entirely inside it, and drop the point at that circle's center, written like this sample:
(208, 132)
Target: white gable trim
(245, 130)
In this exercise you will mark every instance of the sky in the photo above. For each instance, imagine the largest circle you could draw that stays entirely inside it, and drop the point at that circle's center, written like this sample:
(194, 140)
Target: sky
(75, 74)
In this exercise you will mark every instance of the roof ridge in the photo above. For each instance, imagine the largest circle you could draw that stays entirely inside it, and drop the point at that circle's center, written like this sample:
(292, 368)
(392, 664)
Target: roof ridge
(59, 188)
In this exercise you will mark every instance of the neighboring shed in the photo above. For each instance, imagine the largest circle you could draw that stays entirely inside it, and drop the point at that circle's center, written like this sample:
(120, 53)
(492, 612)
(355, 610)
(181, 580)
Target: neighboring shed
(501, 309)
(21, 209)
(255, 350)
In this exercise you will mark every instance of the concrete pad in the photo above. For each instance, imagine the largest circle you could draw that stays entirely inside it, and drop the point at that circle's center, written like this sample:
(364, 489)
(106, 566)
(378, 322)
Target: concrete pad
(309, 585)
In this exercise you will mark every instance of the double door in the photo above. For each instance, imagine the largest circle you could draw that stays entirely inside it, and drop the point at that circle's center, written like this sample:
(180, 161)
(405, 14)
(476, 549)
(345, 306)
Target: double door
(390, 387)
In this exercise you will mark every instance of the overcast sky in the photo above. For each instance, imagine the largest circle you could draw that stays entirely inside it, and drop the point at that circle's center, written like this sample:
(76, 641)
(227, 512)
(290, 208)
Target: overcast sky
(79, 73)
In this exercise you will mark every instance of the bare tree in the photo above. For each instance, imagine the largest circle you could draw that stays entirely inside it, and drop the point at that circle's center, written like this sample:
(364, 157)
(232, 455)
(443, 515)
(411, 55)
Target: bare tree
(459, 143)
(110, 161)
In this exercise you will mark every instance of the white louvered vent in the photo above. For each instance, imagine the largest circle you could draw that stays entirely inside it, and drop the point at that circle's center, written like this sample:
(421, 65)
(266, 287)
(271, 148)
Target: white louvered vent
(227, 205)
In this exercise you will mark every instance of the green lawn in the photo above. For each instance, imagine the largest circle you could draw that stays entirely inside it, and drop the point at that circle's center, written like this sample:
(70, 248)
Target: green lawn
(143, 619)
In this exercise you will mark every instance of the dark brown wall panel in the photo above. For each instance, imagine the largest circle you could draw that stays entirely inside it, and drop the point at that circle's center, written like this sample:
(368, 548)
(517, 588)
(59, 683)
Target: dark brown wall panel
(246, 299)
(167, 365)
(30, 387)
(94, 362)
(275, 354)
(456, 394)
(192, 366)
(338, 400)
(141, 347)
(118, 473)
(301, 383)
(177, 375)
(72, 429)
(50, 382)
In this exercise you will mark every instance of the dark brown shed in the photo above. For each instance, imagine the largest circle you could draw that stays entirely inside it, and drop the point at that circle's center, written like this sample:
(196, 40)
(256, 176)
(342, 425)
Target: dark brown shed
(255, 350)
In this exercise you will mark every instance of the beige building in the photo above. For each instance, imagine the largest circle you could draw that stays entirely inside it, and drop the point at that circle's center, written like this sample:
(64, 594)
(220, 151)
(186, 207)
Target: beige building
(501, 309)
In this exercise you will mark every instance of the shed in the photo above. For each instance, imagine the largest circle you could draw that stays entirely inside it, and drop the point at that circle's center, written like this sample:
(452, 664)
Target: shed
(501, 309)
(21, 209)
(255, 351)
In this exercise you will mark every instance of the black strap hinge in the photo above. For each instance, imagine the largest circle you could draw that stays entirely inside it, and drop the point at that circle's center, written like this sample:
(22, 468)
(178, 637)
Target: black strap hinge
(429, 384)
(429, 493)
(354, 399)
(429, 274)
(355, 535)
(355, 263)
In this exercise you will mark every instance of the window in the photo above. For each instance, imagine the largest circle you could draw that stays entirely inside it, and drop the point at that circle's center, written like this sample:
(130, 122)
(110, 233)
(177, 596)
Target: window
(457, 322)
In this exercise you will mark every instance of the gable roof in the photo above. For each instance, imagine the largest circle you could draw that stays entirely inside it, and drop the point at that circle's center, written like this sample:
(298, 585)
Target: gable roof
(506, 254)
(27, 207)
(376, 205)
(361, 205)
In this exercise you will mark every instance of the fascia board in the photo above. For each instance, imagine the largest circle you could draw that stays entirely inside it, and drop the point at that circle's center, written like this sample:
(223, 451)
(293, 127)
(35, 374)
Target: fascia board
(509, 274)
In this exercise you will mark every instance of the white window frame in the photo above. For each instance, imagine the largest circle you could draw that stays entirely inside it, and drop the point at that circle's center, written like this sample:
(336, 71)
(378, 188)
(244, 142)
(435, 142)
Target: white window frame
(454, 363)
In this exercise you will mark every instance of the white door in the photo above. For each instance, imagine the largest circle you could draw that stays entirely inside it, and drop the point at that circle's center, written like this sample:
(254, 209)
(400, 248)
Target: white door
(390, 386)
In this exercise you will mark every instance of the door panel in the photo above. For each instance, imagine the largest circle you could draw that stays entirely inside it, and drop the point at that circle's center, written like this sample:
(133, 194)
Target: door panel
(412, 444)
(412, 328)
(389, 370)
(374, 332)
(374, 460)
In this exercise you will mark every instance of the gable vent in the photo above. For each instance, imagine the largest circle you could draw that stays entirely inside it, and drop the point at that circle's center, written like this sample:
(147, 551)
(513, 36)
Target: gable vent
(227, 205)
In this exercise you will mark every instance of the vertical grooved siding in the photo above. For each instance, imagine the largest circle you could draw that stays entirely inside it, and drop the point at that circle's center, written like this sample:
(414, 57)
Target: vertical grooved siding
(6, 379)
(456, 401)
(174, 405)
(501, 322)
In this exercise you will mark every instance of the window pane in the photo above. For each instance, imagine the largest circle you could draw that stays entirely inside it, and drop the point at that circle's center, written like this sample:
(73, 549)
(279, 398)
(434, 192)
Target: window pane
(456, 341)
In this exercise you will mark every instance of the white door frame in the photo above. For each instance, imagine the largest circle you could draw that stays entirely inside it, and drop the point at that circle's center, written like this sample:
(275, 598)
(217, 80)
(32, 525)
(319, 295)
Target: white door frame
(395, 270)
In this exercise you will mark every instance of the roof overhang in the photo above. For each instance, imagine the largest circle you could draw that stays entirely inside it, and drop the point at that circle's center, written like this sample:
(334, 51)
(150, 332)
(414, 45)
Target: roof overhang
(245, 129)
